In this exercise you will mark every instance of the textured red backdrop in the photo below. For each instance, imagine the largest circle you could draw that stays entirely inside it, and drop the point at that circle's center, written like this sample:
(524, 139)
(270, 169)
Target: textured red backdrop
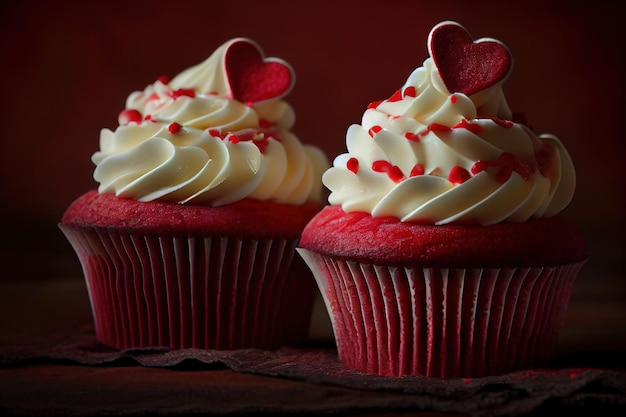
(68, 66)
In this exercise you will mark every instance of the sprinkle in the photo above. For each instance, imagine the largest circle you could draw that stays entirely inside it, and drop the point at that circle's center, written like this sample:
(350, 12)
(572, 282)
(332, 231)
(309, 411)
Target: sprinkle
(215, 133)
(523, 169)
(507, 163)
(397, 96)
(259, 138)
(164, 79)
(174, 127)
(435, 127)
(410, 91)
(374, 104)
(458, 175)
(153, 97)
(129, 115)
(374, 130)
(265, 124)
(261, 143)
(412, 136)
(381, 166)
(453, 99)
(232, 138)
(504, 174)
(393, 171)
(272, 135)
(503, 123)
(418, 169)
(353, 165)
(464, 124)
(183, 92)
(149, 118)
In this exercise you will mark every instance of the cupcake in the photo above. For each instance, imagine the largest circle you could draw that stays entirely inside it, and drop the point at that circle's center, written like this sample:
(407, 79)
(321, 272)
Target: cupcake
(189, 238)
(441, 252)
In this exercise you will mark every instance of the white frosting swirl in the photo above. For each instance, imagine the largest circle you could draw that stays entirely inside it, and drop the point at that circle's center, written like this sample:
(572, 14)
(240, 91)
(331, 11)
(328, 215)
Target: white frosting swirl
(427, 156)
(189, 142)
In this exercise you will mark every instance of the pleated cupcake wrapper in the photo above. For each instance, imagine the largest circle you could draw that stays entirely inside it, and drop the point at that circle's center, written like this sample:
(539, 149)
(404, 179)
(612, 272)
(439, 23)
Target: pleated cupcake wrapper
(177, 292)
(442, 322)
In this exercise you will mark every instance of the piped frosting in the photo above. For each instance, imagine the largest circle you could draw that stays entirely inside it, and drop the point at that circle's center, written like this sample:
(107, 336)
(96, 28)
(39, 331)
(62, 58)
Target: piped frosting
(216, 133)
(445, 147)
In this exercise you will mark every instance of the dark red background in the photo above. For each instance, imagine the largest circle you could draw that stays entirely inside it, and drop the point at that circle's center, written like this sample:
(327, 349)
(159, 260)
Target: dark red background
(67, 68)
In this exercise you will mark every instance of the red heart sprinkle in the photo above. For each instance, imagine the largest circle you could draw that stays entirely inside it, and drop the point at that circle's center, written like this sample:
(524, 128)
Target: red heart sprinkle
(252, 77)
(465, 65)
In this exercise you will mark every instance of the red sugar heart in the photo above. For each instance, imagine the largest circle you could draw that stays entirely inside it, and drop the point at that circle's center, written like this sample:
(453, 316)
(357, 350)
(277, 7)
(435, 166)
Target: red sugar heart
(467, 66)
(252, 77)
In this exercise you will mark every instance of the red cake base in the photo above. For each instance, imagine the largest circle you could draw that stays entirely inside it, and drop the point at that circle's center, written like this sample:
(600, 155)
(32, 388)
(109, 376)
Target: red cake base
(442, 301)
(164, 275)
(244, 218)
(388, 241)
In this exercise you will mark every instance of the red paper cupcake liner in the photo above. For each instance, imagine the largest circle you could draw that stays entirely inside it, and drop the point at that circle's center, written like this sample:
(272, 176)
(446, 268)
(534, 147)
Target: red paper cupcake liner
(201, 292)
(442, 322)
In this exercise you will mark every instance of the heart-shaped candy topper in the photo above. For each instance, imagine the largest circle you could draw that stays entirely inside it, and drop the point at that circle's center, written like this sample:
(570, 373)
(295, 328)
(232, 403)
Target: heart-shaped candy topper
(252, 77)
(467, 66)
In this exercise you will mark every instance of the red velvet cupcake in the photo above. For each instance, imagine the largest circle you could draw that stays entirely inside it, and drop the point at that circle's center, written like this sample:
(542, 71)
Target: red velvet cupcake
(203, 193)
(441, 253)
